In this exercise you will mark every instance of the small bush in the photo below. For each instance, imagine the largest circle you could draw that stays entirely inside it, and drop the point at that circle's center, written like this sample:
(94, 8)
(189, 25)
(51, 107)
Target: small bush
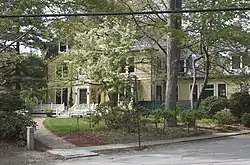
(239, 103)
(224, 117)
(245, 119)
(48, 112)
(189, 117)
(119, 117)
(213, 104)
(13, 126)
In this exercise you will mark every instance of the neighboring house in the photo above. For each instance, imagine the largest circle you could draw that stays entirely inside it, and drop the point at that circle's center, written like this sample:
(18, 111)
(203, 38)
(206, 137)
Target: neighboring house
(151, 80)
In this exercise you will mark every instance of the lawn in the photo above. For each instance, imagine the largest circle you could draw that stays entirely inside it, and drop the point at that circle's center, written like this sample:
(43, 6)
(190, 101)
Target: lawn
(68, 125)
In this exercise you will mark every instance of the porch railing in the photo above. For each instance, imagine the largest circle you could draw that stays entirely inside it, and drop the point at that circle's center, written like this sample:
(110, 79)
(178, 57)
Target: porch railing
(39, 108)
(81, 109)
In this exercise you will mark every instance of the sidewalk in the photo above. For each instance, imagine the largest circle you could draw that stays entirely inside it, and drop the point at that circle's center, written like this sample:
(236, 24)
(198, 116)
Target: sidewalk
(48, 138)
(94, 150)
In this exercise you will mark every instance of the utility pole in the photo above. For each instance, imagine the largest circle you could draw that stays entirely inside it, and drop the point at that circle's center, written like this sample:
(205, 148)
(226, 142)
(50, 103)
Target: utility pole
(173, 58)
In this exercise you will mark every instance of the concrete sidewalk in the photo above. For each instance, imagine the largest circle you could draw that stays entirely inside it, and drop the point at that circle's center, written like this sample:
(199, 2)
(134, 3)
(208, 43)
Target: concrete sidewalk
(94, 150)
(48, 138)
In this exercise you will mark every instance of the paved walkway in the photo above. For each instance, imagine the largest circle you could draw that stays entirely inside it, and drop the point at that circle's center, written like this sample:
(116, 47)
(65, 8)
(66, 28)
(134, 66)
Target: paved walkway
(48, 138)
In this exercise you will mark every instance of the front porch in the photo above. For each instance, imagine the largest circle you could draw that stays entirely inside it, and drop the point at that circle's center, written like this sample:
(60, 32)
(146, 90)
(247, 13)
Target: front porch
(60, 110)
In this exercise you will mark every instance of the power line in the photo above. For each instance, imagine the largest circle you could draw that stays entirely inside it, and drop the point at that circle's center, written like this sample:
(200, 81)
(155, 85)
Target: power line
(126, 13)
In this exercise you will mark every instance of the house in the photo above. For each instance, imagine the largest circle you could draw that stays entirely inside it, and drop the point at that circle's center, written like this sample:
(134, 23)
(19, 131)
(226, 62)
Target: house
(151, 81)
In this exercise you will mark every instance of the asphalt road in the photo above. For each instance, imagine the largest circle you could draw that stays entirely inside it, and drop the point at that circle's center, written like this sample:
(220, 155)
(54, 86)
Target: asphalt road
(227, 151)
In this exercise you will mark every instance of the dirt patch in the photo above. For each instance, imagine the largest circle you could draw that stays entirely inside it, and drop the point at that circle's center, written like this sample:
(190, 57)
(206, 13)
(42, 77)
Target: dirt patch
(102, 137)
(82, 139)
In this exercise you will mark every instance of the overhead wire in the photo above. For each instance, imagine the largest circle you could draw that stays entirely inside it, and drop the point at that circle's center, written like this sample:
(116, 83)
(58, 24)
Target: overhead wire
(91, 14)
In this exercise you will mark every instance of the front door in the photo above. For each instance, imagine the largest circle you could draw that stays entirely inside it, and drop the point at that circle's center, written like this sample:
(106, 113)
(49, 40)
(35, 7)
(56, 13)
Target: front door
(83, 96)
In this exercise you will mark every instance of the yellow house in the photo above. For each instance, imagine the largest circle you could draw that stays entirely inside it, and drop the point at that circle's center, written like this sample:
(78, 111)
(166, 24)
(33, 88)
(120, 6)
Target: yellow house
(151, 83)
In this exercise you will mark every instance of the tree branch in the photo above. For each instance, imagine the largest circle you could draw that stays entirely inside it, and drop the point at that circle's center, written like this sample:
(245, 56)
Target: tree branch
(6, 47)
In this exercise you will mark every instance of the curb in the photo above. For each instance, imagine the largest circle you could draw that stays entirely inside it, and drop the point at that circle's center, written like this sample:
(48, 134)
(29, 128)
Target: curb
(80, 152)
(161, 143)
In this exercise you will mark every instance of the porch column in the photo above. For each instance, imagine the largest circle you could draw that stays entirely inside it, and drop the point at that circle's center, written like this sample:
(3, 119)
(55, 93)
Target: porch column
(88, 95)
(77, 95)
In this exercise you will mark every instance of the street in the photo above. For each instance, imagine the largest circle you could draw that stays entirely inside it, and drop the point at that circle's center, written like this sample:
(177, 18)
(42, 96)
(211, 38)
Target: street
(227, 151)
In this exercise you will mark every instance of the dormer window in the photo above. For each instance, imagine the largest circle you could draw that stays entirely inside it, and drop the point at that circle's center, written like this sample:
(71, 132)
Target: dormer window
(63, 47)
(236, 62)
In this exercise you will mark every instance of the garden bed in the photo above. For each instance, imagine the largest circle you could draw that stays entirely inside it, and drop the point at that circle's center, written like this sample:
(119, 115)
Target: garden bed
(102, 137)
(82, 136)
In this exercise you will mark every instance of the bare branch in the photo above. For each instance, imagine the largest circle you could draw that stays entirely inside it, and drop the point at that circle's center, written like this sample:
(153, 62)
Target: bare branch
(6, 47)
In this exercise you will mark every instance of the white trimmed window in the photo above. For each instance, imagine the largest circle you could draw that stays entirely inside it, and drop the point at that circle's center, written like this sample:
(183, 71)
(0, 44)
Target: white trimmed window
(209, 91)
(222, 90)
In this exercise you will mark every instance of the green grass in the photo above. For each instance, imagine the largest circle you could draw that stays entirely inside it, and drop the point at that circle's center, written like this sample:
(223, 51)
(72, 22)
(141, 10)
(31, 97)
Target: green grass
(66, 125)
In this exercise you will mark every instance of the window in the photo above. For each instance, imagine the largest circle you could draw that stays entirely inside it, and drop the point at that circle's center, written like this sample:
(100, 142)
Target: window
(123, 65)
(189, 63)
(222, 90)
(235, 62)
(209, 91)
(83, 96)
(63, 47)
(62, 70)
(61, 95)
(195, 92)
(131, 66)
(158, 65)
(58, 96)
(158, 93)
(182, 66)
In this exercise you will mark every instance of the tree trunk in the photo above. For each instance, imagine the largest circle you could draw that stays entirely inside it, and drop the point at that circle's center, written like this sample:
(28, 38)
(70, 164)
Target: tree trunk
(113, 100)
(193, 84)
(173, 59)
(205, 78)
(17, 70)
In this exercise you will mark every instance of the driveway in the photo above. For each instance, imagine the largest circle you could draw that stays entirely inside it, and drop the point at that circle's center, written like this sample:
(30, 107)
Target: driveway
(227, 151)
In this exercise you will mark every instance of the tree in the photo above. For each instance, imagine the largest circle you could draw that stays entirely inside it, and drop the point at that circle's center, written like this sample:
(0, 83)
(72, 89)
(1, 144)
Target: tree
(32, 80)
(165, 32)
(104, 52)
(215, 39)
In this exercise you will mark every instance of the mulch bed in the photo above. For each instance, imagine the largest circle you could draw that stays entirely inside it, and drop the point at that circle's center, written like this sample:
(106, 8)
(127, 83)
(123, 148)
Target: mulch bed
(101, 137)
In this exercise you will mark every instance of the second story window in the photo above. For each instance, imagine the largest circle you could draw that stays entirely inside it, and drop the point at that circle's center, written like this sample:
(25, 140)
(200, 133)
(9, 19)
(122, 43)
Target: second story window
(131, 64)
(158, 65)
(62, 70)
(236, 62)
(63, 47)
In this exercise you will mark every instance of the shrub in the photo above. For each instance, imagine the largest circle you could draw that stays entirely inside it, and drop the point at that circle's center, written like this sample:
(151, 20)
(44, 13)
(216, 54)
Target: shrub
(48, 112)
(213, 104)
(239, 103)
(13, 126)
(224, 117)
(119, 117)
(245, 119)
(189, 117)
